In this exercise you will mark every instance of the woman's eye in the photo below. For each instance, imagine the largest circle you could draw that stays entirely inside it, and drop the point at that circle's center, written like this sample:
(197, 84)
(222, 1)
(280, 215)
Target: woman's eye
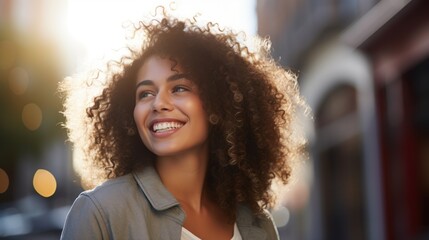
(180, 89)
(145, 94)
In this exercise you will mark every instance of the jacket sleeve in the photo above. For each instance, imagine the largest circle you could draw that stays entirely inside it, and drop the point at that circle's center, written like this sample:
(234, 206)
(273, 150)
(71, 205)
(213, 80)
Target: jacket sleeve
(84, 220)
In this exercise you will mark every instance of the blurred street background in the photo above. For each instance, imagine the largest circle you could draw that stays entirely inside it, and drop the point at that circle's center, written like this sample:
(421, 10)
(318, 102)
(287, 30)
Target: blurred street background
(363, 67)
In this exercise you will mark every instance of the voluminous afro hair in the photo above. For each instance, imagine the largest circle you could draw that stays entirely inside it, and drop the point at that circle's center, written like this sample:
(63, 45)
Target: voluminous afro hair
(249, 99)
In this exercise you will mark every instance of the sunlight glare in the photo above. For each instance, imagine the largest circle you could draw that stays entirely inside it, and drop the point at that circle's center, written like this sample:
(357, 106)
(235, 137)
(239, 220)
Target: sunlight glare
(98, 26)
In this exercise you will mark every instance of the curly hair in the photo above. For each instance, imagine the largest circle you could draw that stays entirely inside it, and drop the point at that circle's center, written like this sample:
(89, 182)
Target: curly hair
(249, 99)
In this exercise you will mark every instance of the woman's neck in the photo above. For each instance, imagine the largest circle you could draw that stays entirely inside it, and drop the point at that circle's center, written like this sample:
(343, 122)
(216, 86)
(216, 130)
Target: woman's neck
(184, 177)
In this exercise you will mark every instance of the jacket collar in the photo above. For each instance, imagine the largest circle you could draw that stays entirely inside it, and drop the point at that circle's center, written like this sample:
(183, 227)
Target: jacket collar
(161, 199)
(246, 224)
(150, 183)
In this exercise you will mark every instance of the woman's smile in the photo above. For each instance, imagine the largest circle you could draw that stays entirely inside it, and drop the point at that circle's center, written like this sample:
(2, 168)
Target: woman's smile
(165, 127)
(160, 127)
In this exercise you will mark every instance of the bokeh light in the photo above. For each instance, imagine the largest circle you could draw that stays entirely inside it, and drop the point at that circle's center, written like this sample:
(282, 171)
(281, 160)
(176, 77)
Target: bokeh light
(281, 216)
(4, 181)
(44, 183)
(32, 116)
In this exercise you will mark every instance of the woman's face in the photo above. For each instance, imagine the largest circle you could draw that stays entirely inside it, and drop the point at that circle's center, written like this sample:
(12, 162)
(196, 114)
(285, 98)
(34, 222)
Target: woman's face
(169, 113)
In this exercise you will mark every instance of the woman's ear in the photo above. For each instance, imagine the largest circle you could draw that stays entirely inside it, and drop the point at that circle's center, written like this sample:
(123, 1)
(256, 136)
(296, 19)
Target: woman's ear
(213, 119)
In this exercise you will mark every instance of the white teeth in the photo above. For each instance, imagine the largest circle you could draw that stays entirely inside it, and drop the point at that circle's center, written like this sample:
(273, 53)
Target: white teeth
(165, 126)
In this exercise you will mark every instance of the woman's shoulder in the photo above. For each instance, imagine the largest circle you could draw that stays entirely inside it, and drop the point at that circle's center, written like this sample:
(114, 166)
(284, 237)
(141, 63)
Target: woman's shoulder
(99, 213)
(118, 184)
(114, 193)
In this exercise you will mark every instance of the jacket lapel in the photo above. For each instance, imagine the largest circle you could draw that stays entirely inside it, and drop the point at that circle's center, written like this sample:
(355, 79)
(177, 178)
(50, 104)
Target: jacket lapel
(150, 183)
(163, 202)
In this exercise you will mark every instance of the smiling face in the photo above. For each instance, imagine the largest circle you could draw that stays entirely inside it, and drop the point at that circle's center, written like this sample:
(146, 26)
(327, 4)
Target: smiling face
(169, 113)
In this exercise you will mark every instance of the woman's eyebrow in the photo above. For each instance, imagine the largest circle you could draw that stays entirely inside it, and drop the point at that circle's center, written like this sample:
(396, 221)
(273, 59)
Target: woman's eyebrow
(177, 76)
(173, 77)
(144, 83)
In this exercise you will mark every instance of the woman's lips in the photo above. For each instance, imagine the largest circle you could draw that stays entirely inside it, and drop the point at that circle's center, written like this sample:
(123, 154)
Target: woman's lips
(165, 127)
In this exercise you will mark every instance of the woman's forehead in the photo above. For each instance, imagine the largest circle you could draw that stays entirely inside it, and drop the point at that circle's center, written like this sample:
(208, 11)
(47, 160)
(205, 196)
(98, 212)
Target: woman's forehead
(156, 65)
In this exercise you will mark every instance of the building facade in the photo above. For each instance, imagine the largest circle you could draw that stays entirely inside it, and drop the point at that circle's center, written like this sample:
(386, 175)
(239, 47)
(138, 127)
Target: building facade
(363, 68)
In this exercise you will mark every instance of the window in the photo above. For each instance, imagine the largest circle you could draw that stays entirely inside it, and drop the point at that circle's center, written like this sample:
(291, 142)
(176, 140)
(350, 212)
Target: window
(340, 165)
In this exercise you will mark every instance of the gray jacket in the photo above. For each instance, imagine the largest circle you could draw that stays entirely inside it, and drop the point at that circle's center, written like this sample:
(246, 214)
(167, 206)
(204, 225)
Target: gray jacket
(138, 206)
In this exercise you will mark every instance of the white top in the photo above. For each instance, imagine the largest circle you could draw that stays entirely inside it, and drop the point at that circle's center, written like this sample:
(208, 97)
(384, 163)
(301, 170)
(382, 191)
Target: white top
(187, 235)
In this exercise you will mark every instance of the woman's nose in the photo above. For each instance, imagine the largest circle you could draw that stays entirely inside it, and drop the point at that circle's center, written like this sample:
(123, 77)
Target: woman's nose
(162, 102)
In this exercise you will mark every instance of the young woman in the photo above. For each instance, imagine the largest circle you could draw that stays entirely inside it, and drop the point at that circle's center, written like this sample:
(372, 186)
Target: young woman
(191, 134)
